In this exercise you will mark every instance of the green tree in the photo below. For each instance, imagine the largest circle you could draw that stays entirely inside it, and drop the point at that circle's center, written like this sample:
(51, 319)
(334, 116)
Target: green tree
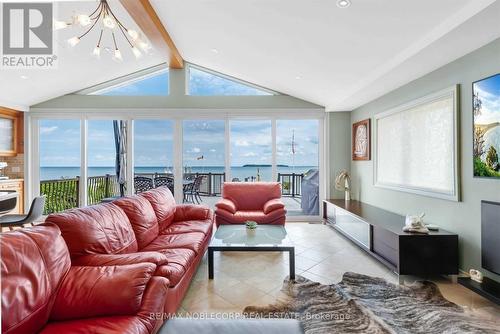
(492, 158)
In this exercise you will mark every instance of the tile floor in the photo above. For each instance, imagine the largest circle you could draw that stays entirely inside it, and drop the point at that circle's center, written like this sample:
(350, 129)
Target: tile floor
(322, 255)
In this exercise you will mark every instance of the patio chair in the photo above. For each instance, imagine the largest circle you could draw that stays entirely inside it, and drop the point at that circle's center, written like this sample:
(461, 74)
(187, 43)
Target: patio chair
(142, 184)
(193, 191)
(165, 181)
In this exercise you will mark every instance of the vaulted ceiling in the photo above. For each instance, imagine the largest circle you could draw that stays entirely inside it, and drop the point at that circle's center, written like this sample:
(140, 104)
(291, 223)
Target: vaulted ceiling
(313, 50)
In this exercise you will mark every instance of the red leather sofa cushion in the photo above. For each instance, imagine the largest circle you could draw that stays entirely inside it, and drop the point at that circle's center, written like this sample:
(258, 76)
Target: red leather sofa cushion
(153, 302)
(192, 240)
(251, 195)
(203, 226)
(101, 291)
(142, 218)
(163, 203)
(97, 229)
(34, 262)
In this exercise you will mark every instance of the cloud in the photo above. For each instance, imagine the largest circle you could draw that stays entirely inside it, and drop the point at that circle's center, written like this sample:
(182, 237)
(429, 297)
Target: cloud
(249, 154)
(48, 129)
(213, 150)
(195, 150)
(241, 143)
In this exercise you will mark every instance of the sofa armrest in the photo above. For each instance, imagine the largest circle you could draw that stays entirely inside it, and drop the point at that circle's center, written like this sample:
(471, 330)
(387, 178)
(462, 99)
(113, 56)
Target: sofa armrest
(184, 212)
(120, 259)
(153, 303)
(272, 205)
(102, 291)
(227, 205)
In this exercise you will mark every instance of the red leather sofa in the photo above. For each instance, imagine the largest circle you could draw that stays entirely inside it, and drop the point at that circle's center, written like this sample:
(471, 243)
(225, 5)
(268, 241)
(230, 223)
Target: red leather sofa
(42, 292)
(256, 201)
(148, 227)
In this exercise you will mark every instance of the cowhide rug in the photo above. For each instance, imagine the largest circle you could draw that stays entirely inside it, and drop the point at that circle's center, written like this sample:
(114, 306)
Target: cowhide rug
(364, 304)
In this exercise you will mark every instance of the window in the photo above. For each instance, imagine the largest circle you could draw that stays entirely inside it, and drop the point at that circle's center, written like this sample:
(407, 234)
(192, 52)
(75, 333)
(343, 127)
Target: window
(101, 159)
(153, 154)
(251, 151)
(60, 164)
(416, 146)
(297, 159)
(204, 83)
(204, 158)
(152, 84)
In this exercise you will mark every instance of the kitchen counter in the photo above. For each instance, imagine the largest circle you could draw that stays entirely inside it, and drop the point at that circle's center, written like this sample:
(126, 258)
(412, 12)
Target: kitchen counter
(14, 185)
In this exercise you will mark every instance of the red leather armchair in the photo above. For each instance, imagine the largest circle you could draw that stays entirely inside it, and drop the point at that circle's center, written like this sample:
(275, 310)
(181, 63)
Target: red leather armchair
(256, 201)
(148, 227)
(42, 292)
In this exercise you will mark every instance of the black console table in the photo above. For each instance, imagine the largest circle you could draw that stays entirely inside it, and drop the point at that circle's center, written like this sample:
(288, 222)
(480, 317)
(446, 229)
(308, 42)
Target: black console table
(380, 234)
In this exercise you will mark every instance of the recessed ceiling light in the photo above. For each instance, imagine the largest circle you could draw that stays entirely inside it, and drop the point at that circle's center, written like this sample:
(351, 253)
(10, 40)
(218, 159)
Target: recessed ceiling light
(298, 77)
(24, 77)
(215, 51)
(343, 3)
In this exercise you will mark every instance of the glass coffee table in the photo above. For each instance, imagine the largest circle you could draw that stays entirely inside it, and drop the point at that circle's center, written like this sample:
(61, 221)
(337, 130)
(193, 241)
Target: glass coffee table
(237, 238)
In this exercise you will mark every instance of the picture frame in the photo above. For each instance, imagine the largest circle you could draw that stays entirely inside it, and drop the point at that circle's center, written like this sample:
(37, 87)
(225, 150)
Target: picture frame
(486, 127)
(361, 140)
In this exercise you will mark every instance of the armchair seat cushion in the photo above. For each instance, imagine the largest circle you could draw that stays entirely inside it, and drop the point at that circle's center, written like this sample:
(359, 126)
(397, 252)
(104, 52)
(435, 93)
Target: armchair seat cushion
(259, 216)
(192, 240)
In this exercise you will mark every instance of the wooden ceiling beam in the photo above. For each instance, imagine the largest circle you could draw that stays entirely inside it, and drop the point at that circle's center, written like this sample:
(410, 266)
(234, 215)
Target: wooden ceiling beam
(146, 18)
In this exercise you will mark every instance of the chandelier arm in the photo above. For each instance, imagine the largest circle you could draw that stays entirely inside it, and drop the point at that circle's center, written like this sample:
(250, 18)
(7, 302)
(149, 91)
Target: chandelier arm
(85, 33)
(95, 11)
(125, 35)
(100, 38)
(116, 19)
(114, 41)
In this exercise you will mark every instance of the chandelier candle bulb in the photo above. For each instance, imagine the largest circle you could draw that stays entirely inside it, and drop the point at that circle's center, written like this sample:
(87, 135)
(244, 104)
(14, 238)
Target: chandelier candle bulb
(58, 25)
(97, 51)
(118, 55)
(84, 20)
(133, 34)
(73, 41)
(109, 22)
(136, 52)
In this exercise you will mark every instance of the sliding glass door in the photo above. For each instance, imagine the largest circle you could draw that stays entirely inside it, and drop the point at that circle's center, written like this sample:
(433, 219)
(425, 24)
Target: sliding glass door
(251, 150)
(59, 164)
(203, 160)
(297, 159)
(192, 157)
(153, 154)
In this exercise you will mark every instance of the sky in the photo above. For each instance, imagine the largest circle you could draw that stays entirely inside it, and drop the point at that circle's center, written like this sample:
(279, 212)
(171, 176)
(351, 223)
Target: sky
(489, 93)
(203, 140)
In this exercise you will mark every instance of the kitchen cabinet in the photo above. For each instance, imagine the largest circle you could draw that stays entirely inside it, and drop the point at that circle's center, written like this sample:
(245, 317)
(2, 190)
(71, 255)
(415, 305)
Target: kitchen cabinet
(11, 132)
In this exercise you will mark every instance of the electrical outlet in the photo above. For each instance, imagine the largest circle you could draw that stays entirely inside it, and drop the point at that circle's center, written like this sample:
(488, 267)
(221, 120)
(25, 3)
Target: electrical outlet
(16, 169)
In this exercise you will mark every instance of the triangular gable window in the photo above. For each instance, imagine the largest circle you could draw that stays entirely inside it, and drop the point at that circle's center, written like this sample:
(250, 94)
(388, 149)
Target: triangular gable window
(153, 84)
(206, 83)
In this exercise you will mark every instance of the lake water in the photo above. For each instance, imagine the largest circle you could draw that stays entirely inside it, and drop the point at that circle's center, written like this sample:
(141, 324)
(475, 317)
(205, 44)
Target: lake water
(55, 173)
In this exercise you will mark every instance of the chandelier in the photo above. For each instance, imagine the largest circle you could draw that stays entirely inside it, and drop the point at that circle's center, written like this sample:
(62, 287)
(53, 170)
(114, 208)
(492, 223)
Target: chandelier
(104, 19)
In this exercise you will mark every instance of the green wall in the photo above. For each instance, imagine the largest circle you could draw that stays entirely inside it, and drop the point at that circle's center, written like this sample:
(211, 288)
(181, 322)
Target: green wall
(463, 218)
(339, 147)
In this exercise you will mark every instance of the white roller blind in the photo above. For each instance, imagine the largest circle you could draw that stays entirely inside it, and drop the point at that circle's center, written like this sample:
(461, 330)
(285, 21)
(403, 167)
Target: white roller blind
(416, 146)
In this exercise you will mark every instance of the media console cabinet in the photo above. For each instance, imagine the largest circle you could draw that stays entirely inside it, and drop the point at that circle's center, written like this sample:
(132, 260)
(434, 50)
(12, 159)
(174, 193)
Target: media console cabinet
(380, 234)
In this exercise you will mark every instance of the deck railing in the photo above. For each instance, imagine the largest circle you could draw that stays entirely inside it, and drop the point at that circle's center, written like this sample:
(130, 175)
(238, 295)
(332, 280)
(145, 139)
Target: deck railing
(63, 194)
(60, 194)
(291, 184)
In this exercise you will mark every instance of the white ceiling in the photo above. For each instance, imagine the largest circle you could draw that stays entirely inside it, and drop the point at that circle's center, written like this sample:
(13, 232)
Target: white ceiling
(342, 57)
(77, 68)
(338, 58)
